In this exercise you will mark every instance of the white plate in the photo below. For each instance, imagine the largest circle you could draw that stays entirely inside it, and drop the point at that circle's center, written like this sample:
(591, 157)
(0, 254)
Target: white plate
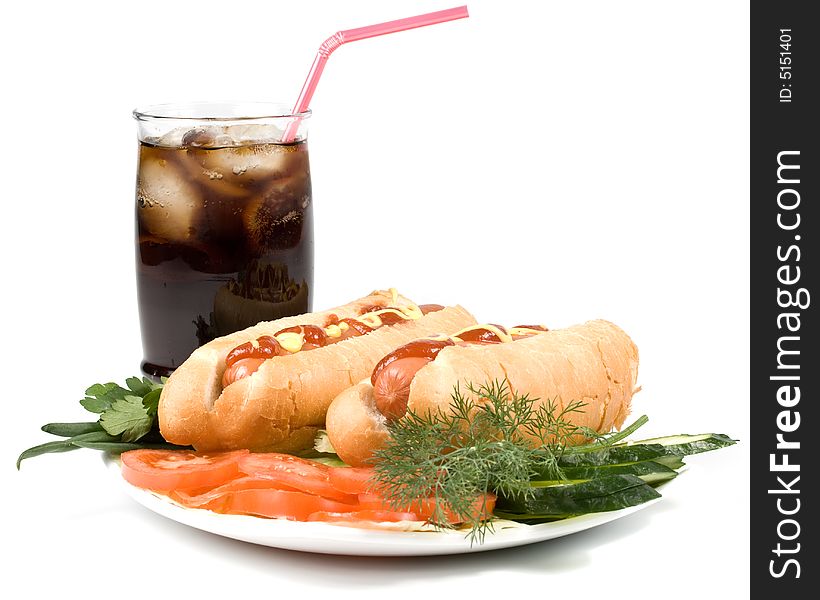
(335, 539)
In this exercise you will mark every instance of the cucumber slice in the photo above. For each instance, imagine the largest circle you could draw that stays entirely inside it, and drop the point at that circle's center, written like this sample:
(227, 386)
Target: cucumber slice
(651, 472)
(611, 492)
(672, 461)
(615, 455)
(652, 449)
(684, 444)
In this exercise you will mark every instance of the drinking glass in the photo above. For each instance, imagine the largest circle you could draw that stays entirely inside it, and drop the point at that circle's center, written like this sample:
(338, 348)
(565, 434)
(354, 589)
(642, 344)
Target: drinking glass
(224, 224)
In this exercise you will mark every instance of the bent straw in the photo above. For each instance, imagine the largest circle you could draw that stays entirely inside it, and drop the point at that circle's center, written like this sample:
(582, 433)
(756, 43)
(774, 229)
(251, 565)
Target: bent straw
(352, 35)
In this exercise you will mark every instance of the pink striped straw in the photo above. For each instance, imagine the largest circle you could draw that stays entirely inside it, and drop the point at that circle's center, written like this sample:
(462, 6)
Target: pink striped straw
(360, 33)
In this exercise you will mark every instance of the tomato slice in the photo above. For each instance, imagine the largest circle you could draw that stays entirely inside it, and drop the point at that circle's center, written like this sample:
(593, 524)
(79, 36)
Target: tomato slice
(275, 503)
(425, 508)
(364, 515)
(295, 473)
(166, 470)
(215, 497)
(352, 480)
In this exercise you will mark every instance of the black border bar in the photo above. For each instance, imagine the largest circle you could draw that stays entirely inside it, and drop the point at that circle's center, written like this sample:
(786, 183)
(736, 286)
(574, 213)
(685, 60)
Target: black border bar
(785, 112)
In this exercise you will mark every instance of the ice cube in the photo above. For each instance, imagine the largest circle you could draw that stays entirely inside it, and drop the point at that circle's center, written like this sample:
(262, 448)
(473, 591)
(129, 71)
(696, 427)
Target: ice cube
(229, 136)
(169, 206)
(269, 231)
(173, 138)
(211, 258)
(273, 221)
(153, 251)
(255, 133)
(208, 137)
(250, 165)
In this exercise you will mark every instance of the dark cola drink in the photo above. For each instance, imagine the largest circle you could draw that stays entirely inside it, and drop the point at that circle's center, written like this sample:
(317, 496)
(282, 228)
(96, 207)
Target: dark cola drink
(224, 236)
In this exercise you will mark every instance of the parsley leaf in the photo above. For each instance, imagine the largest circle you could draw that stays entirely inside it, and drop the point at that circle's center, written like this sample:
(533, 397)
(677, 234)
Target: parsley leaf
(128, 420)
(151, 401)
(140, 387)
(129, 417)
(100, 396)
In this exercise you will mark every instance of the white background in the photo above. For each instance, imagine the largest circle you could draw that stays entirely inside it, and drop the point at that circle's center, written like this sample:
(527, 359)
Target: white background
(550, 162)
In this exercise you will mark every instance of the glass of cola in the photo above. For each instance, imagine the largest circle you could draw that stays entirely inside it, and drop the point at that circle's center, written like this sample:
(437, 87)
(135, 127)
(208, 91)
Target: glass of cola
(224, 223)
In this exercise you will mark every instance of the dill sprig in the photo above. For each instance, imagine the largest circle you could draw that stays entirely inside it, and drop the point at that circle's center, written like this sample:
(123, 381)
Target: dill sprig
(491, 439)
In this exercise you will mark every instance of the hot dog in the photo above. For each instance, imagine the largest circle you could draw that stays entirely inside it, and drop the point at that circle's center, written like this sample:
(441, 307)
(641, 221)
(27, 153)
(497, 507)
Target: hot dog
(268, 387)
(595, 363)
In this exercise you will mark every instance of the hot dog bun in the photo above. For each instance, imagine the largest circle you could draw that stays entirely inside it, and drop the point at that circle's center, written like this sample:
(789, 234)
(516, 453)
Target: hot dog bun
(595, 363)
(281, 406)
(355, 426)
